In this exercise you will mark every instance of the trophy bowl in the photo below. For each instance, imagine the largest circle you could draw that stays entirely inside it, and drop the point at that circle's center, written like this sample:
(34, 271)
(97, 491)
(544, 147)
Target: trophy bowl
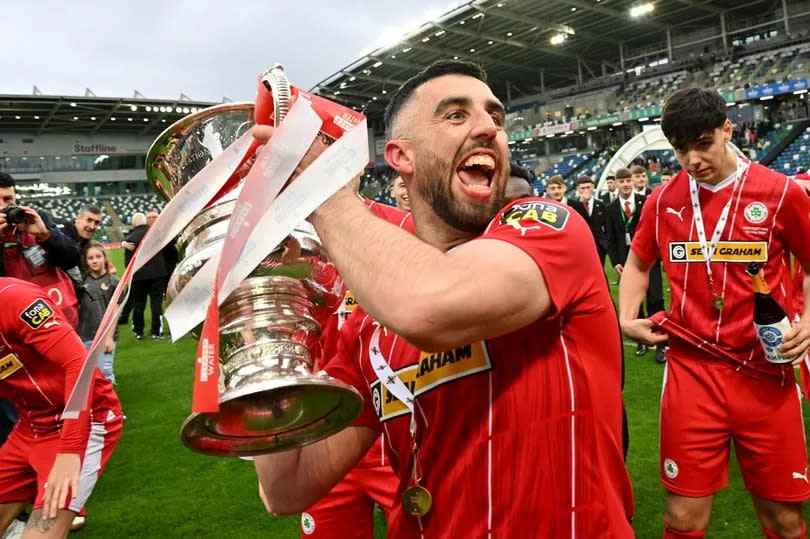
(270, 399)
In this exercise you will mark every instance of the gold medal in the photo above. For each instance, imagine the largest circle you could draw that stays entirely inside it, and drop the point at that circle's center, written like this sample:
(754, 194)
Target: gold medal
(417, 501)
(718, 302)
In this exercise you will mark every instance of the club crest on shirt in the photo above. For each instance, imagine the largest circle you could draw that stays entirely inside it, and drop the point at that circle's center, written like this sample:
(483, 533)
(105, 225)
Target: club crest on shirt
(432, 370)
(36, 314)
(9, 365)
(727, 251)
(755, 212)
(530, 215)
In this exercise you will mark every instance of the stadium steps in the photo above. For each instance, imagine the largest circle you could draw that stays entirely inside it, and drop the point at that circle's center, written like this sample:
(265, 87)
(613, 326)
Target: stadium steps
(796, 129)
(114, 232)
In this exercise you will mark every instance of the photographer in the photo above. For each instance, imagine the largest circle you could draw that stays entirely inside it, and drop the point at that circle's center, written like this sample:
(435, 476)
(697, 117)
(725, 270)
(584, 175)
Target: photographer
(35, 250)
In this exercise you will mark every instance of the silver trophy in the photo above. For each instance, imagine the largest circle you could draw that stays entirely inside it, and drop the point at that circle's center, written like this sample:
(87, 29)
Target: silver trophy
(270, 398)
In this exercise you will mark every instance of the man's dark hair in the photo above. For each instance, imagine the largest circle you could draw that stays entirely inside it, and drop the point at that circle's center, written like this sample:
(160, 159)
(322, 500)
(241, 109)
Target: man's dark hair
(610, 177)
(623, 173)
(437, 69)
(666, 172)
(582, 179)
(557, 179)
(7, 181)
(90, 208)
(691, 112)
(519, 172)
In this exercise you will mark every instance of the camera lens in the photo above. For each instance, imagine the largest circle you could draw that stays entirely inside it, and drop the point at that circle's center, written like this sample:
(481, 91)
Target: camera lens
(15, 215)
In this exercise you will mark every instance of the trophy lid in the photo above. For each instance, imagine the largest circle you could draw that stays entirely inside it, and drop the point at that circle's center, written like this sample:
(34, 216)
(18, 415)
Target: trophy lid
(189, 144)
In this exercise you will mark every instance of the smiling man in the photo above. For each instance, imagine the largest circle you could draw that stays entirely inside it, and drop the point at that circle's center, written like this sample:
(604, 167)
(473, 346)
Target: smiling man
(501, 413)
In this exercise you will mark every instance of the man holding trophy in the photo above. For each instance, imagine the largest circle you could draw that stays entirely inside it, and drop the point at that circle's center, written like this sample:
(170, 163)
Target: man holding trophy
(472, 349)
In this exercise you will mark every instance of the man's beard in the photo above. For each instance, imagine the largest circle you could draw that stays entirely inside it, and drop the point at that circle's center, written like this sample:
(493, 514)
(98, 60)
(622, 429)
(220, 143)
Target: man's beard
(433, 180)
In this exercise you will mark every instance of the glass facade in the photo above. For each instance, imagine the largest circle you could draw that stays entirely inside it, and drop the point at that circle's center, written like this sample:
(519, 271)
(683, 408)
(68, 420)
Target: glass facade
(64, 163)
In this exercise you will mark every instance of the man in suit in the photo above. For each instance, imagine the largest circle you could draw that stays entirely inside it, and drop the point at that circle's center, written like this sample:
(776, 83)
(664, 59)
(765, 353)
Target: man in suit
(641, 183)
(666, 175)
(594, 213)
(612, 192)
(622, 217)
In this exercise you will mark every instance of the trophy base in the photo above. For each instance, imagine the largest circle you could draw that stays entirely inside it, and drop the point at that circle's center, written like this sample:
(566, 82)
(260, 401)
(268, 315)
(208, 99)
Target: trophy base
(275, 415)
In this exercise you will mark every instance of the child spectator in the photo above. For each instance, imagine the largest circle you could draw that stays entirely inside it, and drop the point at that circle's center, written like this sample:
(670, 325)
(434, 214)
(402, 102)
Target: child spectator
(98, 288)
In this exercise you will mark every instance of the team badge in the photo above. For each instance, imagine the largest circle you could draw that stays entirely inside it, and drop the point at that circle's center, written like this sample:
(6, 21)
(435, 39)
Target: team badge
(531, 215)
(36, 314)
(670, 468)
(9, 365)
(756, 213)
(307, 523)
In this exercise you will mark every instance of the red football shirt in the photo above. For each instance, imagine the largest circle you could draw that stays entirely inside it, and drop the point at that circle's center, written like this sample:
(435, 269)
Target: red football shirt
(376, 455)
(520, 434)
(40, 358)
(768, 219)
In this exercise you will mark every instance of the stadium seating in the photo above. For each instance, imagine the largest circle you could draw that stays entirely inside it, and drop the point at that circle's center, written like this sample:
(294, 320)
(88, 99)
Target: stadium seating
(795, 158)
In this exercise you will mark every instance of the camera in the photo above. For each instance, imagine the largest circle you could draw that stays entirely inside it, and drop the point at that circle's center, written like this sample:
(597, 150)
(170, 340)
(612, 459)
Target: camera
(14, 214)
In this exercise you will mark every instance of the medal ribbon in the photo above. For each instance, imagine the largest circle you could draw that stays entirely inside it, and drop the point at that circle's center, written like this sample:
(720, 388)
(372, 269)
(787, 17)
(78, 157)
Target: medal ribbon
(708, 249)
(389, 378)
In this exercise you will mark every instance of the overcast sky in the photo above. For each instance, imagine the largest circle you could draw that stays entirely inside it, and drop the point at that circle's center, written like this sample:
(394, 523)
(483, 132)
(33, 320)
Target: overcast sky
(203, 48)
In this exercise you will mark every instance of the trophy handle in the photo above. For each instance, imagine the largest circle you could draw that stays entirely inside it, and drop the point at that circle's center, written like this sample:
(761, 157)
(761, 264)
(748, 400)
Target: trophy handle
(276, 81)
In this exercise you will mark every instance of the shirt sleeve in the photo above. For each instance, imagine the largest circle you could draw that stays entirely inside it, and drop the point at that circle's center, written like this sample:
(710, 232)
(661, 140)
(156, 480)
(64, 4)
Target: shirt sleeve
(345, 366)
(559, 241)
(794, 221)
(644, 242)
(29, 316)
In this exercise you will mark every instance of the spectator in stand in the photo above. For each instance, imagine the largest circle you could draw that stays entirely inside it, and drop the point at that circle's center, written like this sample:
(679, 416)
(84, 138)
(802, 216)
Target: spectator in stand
(519, 183)
(400, 194)
(555, 187)
(612, 192)
(640, 180)
(98, 288)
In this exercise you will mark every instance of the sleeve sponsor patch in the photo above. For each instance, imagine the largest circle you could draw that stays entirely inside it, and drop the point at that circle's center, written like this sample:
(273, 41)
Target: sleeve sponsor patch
(36, 314)
(9, 365)
(523, 216)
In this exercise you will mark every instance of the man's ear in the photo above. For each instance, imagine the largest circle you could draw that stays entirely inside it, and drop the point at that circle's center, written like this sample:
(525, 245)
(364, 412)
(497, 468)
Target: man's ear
(399, 156)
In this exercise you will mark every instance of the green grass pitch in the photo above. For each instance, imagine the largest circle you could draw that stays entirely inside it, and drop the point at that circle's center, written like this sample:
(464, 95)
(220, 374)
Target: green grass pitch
(154, 487)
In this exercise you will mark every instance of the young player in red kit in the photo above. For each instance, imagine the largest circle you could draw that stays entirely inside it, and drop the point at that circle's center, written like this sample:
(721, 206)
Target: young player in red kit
(718, 214)
(502, 415)
(348, 509)
(47, 461)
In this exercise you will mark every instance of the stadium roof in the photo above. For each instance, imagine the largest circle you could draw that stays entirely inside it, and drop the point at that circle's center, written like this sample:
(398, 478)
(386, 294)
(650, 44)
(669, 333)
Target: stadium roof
(512, 40)
(90, 115)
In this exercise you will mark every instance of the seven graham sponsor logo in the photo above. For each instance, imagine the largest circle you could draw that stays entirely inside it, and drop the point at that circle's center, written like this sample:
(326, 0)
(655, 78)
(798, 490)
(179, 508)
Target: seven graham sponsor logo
(670, 468)
(307, 523)
(756, 213)
(528, 215)
(727, 251)
(432, 370)
(36, 314)
(8, 366)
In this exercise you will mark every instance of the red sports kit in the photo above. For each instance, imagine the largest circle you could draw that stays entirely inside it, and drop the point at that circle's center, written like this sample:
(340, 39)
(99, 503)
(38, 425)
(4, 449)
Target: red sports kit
(519, 435)
(718, 386)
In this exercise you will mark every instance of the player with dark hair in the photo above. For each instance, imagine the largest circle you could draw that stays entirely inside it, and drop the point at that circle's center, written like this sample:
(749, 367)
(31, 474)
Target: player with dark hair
(473, 345)
(47, 461)
(715, 216)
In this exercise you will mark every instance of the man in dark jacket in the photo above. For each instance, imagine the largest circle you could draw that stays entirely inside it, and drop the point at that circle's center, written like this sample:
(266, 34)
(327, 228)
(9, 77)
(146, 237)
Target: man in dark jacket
(149, 281)
(623, 215)
(593, 211)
